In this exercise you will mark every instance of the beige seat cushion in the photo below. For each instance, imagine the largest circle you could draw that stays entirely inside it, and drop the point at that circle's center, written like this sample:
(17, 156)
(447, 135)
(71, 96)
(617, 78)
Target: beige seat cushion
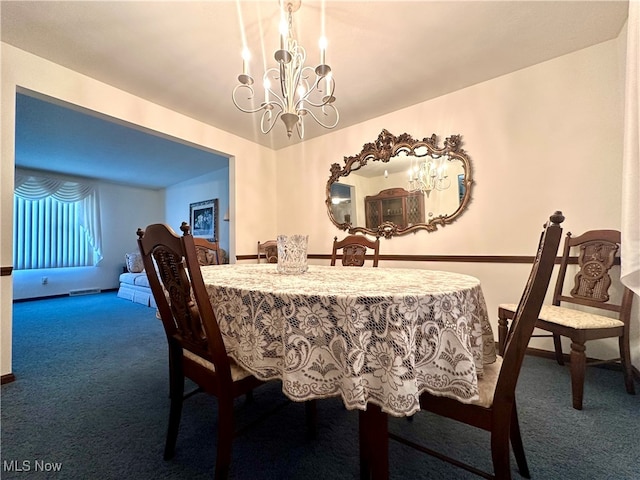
(237, 373)
(572, 318)
(487, 383)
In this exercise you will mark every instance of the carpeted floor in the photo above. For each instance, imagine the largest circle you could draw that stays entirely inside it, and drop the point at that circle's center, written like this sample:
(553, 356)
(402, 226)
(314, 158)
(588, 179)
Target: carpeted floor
(90, 402)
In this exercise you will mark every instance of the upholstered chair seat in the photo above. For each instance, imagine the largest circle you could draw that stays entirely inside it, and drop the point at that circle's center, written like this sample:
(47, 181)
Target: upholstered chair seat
(570, 314)
(487, 383)
(237, 373)
(571, 317)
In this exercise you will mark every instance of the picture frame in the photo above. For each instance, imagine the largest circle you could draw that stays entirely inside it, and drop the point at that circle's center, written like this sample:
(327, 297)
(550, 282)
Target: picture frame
(203, 219)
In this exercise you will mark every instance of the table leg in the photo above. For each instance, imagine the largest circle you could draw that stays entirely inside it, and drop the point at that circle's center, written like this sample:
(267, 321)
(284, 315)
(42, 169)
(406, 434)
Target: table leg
(374, 444)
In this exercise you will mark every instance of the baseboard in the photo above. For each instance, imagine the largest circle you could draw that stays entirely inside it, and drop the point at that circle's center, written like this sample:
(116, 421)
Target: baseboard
(48, 297)
(8, 378)
(536, 352)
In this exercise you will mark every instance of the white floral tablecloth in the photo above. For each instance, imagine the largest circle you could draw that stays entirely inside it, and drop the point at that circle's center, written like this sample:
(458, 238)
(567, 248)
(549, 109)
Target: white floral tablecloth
(377, 335)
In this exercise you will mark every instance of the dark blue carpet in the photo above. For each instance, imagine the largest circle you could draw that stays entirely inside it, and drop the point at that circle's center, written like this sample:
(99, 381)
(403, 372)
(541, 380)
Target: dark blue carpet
(91, 399)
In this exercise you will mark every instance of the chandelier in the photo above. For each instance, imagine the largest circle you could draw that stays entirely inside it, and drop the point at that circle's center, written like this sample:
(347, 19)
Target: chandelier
(429, 174)
(292, 90)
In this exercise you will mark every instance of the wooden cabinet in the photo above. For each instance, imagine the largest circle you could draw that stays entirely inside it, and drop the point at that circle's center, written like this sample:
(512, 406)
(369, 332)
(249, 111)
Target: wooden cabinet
(395, 205)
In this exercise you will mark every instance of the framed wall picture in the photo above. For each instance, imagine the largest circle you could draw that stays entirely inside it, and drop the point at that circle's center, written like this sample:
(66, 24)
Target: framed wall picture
(203, 219)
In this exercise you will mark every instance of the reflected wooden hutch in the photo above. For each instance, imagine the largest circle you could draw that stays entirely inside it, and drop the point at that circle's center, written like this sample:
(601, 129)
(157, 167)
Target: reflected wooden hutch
(395, 205)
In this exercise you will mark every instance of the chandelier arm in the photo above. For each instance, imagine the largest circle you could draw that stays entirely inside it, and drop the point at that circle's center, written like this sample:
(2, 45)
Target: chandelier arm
(299, 106)
(242, 109)
(299, 56)
(283, 86)
(326, 99)
(320, 122)
(317, 105)
(271, 119)
(273, 71)
(443, 183)
(330, 81)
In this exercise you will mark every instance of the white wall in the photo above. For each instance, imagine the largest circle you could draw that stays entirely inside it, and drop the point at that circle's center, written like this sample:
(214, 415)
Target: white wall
(544, 138)
(206, 187)
(119, 225)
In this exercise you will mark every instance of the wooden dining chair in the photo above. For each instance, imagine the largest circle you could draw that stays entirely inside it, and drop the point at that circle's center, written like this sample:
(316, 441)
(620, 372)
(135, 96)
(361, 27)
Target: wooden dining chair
(208, 253)
(268, 250)
(495, 408)
(596, 251)
(354, 250)
(196, 347)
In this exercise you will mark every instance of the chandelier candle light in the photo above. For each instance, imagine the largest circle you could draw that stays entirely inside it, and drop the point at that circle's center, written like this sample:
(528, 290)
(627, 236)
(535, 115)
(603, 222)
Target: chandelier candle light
(430, 174)
(303, 89)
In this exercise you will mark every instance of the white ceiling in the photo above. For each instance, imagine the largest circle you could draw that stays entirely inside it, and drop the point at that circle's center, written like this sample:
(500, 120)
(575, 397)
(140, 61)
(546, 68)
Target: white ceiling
(385, 55)
(54, 137)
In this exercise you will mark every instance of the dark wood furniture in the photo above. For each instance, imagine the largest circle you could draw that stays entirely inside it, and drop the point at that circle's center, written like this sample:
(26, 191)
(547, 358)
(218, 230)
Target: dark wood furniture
(495, 410)
(208, 252)
(268, 250)
(597, 251)
(395, 205)
(354, 250)
(196, 348)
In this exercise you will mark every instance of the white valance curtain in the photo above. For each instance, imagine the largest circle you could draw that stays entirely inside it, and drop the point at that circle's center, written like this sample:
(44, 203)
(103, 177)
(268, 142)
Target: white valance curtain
(630, 271)
(36, 186)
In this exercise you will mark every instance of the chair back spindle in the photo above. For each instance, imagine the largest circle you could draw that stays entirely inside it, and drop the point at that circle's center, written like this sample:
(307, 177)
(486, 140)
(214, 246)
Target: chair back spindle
(529, 306)
(171, 263)
(208, 253)
(354, 249)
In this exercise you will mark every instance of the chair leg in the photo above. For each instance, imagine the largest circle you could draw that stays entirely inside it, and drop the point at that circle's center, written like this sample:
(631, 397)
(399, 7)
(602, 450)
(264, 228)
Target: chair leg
(311, 412)
(373, 436)
(176, 394)
(364, 435)
(500, 453)
(516, 443)
(578, 366)
(225, 437)
(625, 359)
(557, 344)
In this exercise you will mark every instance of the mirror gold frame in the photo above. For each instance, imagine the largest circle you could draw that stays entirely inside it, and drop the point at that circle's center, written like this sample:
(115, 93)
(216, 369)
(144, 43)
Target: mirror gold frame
(388, 149)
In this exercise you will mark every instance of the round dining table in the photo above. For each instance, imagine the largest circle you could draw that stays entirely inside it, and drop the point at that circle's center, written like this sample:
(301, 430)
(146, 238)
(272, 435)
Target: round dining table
(376, 337)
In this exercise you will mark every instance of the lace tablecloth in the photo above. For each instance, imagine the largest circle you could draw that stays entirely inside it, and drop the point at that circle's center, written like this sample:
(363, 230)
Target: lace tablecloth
(377, 335)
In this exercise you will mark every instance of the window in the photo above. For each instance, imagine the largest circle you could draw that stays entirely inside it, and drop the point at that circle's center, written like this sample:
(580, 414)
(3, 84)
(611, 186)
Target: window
(56, 223)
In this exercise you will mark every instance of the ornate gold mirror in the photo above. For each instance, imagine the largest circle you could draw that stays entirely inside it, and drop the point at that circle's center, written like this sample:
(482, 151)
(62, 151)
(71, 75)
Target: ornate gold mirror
(398, 185)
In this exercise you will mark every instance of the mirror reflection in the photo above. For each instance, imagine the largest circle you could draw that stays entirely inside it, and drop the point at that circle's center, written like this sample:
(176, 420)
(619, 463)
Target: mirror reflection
(398, 185)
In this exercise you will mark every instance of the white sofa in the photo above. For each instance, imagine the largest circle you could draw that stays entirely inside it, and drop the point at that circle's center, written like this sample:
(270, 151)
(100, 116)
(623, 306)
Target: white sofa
(134, 284)
(135, 287)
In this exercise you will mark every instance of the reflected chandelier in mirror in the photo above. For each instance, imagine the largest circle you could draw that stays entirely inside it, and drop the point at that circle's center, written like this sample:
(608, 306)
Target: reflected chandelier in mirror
(398, 185)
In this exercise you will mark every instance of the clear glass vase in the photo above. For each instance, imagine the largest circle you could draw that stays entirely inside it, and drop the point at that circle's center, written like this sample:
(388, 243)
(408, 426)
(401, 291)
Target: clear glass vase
(292, 254)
